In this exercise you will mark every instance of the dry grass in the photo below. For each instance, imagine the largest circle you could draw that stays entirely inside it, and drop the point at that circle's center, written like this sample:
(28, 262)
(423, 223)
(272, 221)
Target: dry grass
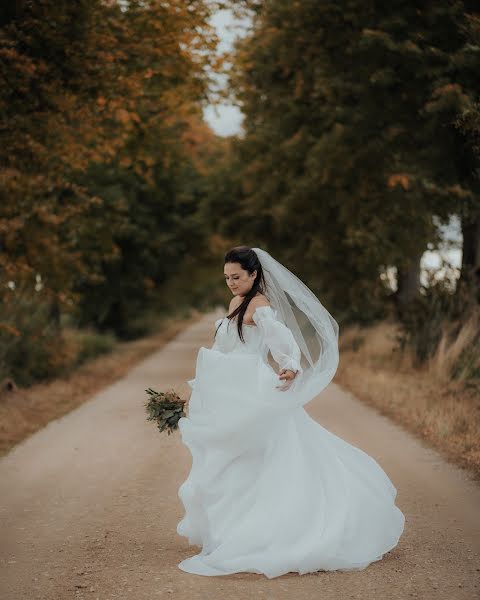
(424, 400)
(24, 411)
(449, 352)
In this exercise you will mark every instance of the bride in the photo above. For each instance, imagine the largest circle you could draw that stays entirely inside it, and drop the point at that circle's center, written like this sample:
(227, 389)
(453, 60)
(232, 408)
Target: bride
(270, 490)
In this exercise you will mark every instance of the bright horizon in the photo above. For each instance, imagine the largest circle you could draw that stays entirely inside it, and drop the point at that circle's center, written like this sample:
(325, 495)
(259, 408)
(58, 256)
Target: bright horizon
(225, 119)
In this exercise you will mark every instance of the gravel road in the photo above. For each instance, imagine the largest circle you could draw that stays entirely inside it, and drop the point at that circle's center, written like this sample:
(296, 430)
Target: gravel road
(89, 505)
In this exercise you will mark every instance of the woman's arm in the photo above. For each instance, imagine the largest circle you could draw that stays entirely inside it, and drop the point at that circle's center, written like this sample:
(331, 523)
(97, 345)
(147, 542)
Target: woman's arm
(279, 339)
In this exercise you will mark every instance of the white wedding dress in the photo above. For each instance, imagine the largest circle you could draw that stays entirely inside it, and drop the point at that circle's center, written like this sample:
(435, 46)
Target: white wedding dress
(270, 490)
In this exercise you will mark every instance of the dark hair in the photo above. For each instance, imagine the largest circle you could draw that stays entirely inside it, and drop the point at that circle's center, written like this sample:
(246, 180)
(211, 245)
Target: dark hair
(248, 260)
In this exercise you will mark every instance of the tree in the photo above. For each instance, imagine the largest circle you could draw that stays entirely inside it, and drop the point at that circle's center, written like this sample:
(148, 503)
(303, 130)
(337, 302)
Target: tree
(349, 122)
(96, 99)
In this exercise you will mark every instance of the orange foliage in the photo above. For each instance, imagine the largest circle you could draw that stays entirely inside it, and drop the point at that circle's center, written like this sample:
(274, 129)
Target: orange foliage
(113, 72)
(401, 179)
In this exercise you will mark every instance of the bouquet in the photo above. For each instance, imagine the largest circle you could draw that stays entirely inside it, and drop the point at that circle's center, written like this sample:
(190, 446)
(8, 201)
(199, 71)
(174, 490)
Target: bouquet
(166, 408)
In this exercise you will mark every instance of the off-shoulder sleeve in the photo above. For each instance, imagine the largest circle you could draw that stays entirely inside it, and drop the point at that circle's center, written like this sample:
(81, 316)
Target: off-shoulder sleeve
(278, 338)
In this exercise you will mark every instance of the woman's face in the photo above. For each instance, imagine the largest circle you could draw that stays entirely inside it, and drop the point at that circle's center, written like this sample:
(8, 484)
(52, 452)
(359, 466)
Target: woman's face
(238, 280)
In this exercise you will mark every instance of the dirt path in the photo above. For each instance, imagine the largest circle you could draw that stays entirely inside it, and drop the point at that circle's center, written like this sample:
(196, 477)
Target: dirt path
(89, 505)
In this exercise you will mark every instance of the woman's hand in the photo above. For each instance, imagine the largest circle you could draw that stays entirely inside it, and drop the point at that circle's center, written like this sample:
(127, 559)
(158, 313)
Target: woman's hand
(286, 375)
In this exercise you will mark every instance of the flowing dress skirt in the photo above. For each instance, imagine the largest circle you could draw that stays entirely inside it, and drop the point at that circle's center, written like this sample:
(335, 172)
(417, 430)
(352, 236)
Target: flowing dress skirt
(270, 490)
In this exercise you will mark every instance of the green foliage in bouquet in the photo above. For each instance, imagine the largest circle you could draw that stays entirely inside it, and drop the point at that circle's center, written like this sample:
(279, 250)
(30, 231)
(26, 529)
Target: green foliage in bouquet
(166, 408)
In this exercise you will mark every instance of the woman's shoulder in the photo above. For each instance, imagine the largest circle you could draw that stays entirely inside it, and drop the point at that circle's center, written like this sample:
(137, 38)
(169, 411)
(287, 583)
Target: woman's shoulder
(260, 308)
(258, 301)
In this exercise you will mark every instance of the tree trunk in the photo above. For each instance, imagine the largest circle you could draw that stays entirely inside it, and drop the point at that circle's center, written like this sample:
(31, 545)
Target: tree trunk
(55, 313)
(469, 280)
(408, 283)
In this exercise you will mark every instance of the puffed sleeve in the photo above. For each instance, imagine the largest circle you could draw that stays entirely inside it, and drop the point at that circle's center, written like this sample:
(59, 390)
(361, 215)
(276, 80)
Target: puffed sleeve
(278, 338)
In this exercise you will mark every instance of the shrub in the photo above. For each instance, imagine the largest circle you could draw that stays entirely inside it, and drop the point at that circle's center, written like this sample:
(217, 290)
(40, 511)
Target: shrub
(441, 326)
(91, 344)
(32, 347)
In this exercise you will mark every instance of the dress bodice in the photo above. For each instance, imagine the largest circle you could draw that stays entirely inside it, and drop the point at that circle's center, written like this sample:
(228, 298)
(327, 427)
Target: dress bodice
(268, 334)
(228, 340)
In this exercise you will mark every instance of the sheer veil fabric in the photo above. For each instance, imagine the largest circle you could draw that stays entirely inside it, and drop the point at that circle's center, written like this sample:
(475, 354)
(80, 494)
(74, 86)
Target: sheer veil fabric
(313, 328)
(270, 490)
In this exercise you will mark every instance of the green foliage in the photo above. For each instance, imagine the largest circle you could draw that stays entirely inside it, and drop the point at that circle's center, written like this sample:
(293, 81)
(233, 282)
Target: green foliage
(32, 346)
(440, 313)
(102, 143)
(351, 149)
(423, 322)
(361, 132)
(93, 344)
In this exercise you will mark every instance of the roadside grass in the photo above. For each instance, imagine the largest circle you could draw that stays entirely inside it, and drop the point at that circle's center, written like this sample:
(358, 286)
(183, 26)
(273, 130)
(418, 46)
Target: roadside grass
(99, 360)
(438, 400)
